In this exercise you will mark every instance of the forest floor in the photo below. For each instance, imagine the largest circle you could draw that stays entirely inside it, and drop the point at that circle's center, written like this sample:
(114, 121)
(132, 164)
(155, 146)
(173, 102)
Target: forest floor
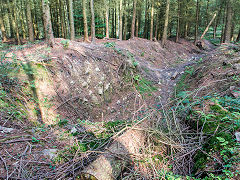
(67, 103)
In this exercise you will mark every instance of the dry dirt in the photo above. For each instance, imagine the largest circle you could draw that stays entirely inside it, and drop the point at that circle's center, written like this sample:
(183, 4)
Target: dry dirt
(90, 82)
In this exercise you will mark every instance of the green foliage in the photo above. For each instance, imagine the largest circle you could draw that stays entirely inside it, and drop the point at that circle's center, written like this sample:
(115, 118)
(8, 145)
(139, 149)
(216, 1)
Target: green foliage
(218, 124)
(110, 44)
(144, 86)
(65, 43)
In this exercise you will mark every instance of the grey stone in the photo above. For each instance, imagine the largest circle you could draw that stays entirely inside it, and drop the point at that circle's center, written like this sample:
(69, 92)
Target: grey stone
(6, 130)
(73, 130)
(50, 153)
(237, 134)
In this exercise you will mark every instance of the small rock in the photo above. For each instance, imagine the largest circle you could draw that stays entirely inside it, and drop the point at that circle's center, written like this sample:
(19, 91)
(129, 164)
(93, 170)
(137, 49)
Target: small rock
(237, 134)
(102, 78)
(90, 93)
(97, 69)
(95, 99)
(73, 130)
(174, 75)
(107, 86)
(50, 153)
(100, 91)
(85, 99)
(6, 130)
(84, 84)
(118, 102)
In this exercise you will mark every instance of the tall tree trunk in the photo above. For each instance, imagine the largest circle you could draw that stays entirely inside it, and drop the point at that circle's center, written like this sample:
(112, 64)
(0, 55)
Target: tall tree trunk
(47, 23)
(72, 29)
(164, 37)
(238, 37)
(145, 32)
(125, 22)
(4, 36)
(14, 22)
(207, 18)
(22, 22)
(228, 26)
(107, 18)
(133, 18)
(137, 26)
(120, 20)
(156, 29)
(61, 11)
(151, 28)
(217, 20)
(30, 23)
(93, 21)
(85, 21)
(197, 21)
(178, 22)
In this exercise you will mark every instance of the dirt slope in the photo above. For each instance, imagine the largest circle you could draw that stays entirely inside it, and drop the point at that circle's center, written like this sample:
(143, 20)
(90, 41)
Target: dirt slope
(77, 82)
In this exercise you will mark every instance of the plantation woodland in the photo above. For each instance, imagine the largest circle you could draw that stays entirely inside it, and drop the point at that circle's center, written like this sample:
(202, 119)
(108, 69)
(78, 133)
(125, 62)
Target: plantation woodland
(122, 19)
(120, 89)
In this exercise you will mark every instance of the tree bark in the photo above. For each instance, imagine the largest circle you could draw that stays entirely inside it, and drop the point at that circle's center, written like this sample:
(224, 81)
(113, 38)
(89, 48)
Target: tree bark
(197, 21)
(4, 35)
(93, 21)
(85, 21)
(30, 23)
(164, 37)
(228, 26)
(47, 23)
(238, 37)
(109, 165)
(107, 18)
(133, 18)
(145, 32)
(206, 30)
(120, 21)
(14, 21)
(151, 28)
(125, 22)
(71, 18)
(178, 22)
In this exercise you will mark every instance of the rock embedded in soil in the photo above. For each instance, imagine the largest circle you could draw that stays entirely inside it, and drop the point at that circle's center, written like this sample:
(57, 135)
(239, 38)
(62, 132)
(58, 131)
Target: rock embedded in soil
(6, 130)
(50, 153)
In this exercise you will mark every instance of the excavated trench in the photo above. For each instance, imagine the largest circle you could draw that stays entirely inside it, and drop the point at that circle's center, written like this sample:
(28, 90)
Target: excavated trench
(101, 83)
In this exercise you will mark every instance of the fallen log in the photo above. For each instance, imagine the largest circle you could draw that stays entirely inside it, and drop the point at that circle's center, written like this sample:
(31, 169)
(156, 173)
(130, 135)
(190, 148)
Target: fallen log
(109, 165)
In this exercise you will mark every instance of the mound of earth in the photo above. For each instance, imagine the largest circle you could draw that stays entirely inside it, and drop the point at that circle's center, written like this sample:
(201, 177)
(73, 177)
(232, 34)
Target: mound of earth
(79, 82)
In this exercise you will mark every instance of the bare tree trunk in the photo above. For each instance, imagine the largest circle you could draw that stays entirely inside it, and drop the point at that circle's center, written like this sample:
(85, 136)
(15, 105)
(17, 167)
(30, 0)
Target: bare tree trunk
(72, 29)
(30, 23)
(238, 37)
(93, 21)
(62, 17)
(3, 29)
(197, 21)
(156, 29)
(178, 23)
(85, 21)
(133, 18)
(107, 18)
(14, 20)
(228, 26)
(151, 28)
(125, 22)
(137, 26)
(47, 23)
(120, 20)
(107, 166)
(206, 30)
(164, 37)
